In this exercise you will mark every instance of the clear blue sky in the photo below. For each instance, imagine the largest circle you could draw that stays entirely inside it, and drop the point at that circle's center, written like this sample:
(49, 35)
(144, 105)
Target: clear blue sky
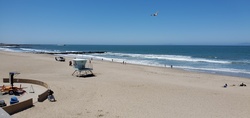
(181, 22)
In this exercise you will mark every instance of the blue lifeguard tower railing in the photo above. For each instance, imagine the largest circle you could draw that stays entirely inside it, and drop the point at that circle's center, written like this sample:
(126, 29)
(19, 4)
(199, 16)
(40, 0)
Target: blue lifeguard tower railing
(82, 65)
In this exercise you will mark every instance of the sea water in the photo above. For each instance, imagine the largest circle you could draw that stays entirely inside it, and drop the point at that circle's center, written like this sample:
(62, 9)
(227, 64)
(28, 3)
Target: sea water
(225, 60)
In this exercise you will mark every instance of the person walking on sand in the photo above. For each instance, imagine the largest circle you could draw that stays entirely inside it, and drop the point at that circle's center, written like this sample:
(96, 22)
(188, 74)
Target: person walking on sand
(70, 63)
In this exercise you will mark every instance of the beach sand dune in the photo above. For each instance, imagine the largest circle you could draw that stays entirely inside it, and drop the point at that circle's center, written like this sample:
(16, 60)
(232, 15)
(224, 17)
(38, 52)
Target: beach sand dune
(128, 91)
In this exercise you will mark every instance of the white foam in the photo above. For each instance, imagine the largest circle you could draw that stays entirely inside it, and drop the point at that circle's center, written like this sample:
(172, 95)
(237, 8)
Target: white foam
(229, 70)
(169, 57)
(7, 49)
(35, 50)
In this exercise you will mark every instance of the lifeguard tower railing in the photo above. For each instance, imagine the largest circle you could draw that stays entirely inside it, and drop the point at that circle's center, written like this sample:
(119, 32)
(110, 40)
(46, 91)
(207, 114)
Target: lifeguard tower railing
(82, 65)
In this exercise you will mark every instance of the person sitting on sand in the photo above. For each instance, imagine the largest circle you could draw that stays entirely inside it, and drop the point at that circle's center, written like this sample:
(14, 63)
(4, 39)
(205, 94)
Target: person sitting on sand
(225, 86)
(242, 84)
(51, 98)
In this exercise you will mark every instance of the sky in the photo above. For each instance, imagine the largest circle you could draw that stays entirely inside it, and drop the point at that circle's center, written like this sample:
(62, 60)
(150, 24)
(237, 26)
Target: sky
(125, 22)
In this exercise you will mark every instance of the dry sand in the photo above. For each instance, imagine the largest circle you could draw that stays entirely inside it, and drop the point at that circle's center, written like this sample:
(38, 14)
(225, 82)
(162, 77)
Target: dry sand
(128, 91)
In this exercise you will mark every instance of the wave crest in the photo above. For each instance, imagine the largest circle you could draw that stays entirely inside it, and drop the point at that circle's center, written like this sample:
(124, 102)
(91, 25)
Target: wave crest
(169, 57)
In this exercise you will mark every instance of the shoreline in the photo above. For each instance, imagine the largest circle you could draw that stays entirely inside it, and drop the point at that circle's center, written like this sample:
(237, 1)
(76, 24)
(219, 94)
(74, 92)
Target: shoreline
(166, 67)
(130, 90)
(189, 66)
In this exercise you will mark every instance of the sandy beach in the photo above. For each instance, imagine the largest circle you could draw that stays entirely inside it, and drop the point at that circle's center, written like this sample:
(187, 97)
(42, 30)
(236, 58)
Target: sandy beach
(128, 91)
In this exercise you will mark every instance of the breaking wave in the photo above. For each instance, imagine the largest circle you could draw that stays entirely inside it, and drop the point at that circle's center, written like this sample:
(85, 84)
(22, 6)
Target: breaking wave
(169, 57)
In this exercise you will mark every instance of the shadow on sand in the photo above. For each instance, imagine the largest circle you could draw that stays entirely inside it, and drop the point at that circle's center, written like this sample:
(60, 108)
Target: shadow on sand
(88, 75)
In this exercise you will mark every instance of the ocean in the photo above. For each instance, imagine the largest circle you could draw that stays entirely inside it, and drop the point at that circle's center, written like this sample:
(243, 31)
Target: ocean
(223, 60)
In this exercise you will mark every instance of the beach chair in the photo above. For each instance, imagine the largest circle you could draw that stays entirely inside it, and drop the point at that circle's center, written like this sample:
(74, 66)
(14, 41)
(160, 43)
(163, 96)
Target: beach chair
(81, 65)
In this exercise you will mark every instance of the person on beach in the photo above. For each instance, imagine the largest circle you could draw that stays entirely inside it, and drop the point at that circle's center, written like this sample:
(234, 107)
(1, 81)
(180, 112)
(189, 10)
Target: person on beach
(225, 86)
(51, 97)
(70, 63)
(242, 84)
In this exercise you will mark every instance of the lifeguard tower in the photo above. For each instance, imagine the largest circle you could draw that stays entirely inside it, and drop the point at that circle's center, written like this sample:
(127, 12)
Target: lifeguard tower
(82, 65)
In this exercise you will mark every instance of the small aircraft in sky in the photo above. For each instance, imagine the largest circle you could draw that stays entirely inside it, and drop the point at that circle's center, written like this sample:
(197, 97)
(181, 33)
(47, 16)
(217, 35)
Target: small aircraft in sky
(155, 14)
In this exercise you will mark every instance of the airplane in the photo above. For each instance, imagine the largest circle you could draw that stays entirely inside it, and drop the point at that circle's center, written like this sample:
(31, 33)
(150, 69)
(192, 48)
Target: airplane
(155, 14)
